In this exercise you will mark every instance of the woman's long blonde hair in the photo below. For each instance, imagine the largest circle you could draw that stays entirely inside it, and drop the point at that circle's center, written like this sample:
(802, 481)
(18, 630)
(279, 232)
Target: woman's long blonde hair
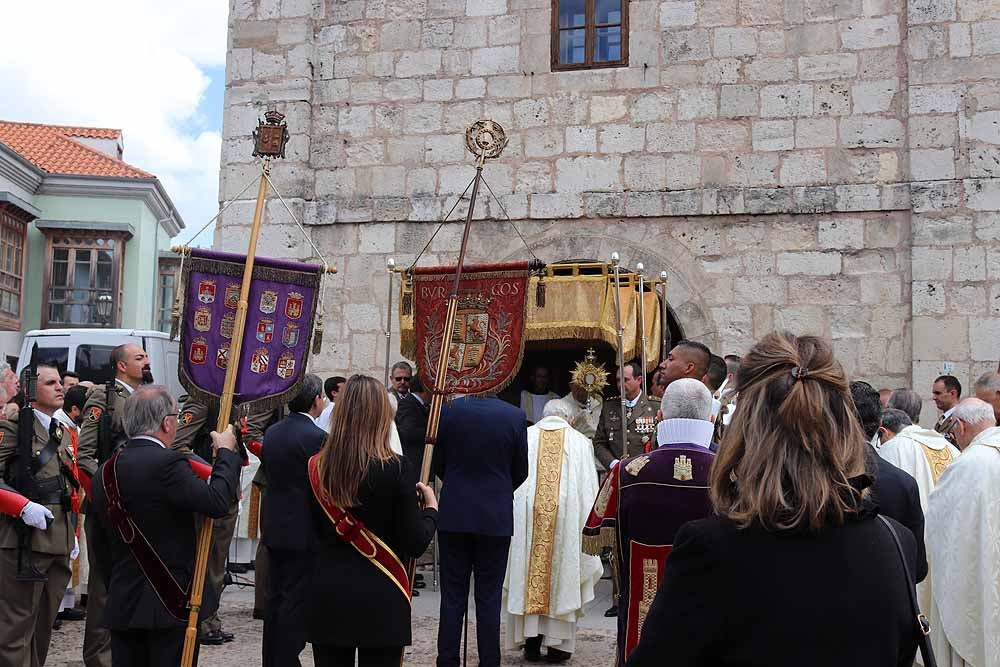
(795, 443)
(359, 434)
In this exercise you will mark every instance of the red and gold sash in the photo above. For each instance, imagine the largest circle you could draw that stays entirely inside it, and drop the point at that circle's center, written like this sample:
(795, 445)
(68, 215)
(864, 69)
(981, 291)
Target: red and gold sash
(352, 531)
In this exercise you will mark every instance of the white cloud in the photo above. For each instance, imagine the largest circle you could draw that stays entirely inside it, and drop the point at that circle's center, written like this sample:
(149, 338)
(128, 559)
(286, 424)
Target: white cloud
(137, 65)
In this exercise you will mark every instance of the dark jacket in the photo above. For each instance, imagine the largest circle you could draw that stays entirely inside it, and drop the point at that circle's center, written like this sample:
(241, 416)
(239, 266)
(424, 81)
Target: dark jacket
(285, 522)
(166, 500)
(773, 599)
(898, 497)
(481, 455)
(351, 602)
(411, 422)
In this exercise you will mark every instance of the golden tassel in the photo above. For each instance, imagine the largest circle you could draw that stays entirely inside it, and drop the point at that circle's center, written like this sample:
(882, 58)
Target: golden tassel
(540, 293)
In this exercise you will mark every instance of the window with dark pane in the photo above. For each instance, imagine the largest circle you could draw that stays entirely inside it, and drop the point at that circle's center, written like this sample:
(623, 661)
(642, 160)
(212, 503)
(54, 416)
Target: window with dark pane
(589, 34)
(12, 243)
(83, 282)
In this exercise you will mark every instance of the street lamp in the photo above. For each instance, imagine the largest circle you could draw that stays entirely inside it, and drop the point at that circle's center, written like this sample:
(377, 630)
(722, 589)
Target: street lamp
(104, 306)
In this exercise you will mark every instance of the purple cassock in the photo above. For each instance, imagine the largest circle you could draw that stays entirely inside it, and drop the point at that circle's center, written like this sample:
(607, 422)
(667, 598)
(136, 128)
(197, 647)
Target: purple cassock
(642, 504)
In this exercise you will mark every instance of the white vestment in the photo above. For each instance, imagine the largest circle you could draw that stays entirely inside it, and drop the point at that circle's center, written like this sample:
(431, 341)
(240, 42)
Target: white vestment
(924, 454)
(587, 415)
(963, 543)
(572, 574)
(533, 404)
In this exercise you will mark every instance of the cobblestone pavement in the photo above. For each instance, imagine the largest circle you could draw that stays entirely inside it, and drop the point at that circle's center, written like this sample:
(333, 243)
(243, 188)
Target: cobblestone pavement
(594, 639)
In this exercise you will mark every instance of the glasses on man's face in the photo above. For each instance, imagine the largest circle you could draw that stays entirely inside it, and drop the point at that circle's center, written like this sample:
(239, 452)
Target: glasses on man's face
(401, 379)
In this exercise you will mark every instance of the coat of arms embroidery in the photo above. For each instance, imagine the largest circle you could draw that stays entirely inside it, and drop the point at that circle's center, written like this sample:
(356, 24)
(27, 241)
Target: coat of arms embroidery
(683, 469)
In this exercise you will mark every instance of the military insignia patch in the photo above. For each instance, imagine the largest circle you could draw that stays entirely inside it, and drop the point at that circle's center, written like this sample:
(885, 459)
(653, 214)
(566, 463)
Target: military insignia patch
(265, 330)
(94, 415)
(286, 366)
(232, 295)
(290, 335)
(203, 319)
(645, 425)
(199, 351)
(206, 291)
(293, 306)
(268, 301)
(260, 360)
(635, 465)
(228, 322)
(683, 469)
(59, 433)
(186, 417)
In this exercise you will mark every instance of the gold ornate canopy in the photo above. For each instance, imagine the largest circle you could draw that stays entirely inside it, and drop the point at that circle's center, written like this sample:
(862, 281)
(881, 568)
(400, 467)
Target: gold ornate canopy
(579, 303)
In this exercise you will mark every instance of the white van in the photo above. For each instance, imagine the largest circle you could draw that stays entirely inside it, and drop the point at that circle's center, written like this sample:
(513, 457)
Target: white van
(87, 352)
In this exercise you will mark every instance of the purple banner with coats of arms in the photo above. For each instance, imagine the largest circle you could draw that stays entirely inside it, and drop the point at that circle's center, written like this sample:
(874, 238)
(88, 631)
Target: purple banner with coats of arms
(281, 310)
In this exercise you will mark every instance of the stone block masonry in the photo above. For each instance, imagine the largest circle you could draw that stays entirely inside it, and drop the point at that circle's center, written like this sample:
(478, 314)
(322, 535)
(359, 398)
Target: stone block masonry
(824, 165)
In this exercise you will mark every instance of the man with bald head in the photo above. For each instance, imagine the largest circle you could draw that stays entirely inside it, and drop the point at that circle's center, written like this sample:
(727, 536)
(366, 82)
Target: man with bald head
(963, 520)
(131, 366)
(688, 359)
(987, 389)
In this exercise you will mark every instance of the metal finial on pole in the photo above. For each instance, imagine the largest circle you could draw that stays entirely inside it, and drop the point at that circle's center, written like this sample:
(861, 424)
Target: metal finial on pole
(639, 268)
(270, 139)
(615, 262)
(390, 266)
(664, 327)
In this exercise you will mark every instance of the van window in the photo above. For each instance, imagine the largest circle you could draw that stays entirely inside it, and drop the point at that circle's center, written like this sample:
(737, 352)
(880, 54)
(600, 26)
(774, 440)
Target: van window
(93, 363)
(54, 356)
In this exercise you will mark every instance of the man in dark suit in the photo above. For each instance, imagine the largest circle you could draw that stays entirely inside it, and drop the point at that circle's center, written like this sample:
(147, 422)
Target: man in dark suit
(896, 493)
(411, 422)
(162, 497)
(481, 457)
(286, 531)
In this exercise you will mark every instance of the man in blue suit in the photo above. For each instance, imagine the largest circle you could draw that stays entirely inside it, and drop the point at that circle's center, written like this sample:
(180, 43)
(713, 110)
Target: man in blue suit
(481, 456)
(285, 522)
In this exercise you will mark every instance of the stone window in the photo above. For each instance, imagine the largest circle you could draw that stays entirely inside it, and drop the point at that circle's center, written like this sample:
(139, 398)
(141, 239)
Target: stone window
(83, 280)
(13, 229)
(587, 34)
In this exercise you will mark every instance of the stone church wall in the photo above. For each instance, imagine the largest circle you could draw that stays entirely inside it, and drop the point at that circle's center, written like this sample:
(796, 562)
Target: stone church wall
(830, 166)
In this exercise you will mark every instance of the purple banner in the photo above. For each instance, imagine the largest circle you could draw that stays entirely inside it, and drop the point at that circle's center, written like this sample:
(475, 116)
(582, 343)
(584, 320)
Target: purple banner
(281, 309)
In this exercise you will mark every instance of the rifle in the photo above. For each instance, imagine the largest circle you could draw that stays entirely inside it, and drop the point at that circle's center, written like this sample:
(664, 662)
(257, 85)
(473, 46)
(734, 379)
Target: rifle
(24, 480)
(105, 446)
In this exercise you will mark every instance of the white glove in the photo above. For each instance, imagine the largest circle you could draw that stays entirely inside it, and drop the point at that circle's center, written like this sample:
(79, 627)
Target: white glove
(35, 515)
(75, 553)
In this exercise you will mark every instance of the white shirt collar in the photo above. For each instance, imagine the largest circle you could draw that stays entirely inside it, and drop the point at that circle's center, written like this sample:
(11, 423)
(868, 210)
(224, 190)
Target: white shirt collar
(65, 420)
(44, 418)
(150, 438)
(685, 431)
(947, 413)
(632, 403)
(128, 388)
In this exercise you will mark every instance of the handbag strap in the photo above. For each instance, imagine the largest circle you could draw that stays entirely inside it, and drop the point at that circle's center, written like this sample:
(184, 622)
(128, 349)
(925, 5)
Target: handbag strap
(924, 641)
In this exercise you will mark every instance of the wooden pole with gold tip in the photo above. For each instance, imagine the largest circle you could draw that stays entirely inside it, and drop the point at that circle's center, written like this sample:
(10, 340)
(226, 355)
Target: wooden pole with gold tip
(270, 138)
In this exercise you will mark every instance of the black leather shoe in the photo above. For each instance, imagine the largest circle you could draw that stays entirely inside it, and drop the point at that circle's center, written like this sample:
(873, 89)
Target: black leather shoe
(213, 638)
(227, 636)
(611, 612)
(418, 577)
(72, 614)
(555, 655)
(419, 584)
(415, 593)
(56, 624)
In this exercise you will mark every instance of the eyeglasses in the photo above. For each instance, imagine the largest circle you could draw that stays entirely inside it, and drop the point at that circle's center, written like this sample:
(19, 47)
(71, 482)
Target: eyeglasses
(401, 379)
(171, 414)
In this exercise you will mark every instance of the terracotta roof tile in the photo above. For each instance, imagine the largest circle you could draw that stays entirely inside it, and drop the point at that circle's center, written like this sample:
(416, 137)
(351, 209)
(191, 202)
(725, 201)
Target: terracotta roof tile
(52, 149)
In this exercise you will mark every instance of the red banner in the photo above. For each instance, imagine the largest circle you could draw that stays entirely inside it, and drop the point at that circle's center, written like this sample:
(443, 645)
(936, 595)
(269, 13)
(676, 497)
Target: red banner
(488, 335)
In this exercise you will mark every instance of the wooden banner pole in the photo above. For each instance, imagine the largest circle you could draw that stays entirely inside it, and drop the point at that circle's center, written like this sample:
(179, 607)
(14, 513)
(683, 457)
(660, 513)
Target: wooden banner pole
(225, 410)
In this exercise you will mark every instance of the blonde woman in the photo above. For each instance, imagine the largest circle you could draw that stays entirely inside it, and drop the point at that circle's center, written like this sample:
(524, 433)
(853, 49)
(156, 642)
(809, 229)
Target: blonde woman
(796, 568)
(370, 521)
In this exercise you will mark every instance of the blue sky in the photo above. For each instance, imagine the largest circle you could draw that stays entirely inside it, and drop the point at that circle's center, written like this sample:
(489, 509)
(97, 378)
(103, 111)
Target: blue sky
(156, 72)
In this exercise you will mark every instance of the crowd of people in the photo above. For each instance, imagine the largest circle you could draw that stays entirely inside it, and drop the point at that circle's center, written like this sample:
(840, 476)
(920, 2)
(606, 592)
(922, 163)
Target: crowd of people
(763, 510)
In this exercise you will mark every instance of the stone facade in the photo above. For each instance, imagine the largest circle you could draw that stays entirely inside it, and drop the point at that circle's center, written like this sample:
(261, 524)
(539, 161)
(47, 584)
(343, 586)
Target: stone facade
(827, 166)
